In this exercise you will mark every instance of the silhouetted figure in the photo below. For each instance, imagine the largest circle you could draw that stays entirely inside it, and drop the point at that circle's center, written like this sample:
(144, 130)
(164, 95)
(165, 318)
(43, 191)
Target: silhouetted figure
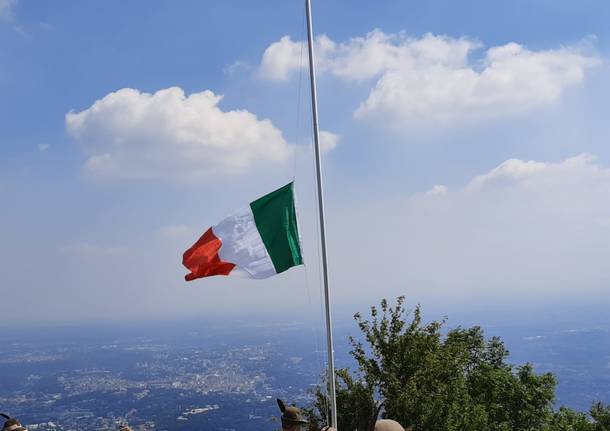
(11, 424)
(292, 419)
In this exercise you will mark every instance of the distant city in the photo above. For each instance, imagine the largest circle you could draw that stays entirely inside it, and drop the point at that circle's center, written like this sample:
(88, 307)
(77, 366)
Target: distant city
(225, 379)
(186, 381)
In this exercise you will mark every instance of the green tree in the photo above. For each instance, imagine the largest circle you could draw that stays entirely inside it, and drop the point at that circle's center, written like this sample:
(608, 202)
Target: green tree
(601, 416)
(355, 399)
(430, 380)
(569, 420)
(566, 419)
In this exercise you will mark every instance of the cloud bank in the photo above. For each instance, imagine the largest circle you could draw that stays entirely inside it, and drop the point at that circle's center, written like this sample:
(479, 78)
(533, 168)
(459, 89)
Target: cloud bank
(436, 79)
(521, 233)
(523, 230)
(132, 134)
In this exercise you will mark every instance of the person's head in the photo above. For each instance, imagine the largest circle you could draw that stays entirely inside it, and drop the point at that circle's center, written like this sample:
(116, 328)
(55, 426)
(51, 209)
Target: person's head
(292, 419)
(388, 425)
(11, 424)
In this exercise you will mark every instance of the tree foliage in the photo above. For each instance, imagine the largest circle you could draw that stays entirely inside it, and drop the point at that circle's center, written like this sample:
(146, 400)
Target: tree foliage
(353, 396)
(433, 380)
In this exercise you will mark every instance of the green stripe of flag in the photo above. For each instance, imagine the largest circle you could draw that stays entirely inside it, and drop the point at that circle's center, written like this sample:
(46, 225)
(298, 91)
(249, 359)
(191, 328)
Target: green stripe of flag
(276, 221)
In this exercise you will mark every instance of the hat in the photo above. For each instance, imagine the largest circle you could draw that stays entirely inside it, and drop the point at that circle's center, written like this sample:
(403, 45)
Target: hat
(388, 425)
(290, 415)
(11, 424)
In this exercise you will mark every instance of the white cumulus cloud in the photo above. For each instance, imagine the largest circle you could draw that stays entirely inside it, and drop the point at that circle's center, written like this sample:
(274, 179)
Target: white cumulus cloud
(434, 79)
(132, 134)
(280, 59)
(328, 140)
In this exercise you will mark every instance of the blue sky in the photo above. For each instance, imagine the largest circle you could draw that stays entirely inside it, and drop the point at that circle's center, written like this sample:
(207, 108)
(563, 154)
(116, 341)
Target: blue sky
(469, 167)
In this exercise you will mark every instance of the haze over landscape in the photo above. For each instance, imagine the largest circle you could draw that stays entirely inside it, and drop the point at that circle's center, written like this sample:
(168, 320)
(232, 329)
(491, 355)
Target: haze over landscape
(466, 165)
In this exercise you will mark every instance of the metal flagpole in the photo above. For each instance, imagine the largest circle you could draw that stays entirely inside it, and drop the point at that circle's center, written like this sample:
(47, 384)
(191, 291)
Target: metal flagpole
(314, 107)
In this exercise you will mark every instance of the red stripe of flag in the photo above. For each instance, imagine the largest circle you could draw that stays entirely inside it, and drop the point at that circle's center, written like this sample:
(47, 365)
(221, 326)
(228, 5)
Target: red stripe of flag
(202, 258)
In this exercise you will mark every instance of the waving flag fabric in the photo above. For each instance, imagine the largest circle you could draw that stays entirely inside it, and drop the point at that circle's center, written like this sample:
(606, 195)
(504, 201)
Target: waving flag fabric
(257, 242)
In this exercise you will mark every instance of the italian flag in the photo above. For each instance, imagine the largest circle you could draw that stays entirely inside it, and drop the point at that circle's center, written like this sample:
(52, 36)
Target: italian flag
(259, 241)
